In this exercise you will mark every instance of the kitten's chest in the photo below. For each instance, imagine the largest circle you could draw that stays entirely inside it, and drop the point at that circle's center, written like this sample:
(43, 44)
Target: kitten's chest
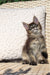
(35, 44)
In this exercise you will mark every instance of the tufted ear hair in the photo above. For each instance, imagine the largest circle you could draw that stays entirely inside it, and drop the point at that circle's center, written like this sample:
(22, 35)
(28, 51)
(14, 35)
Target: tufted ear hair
(25, 25)
(35, 20)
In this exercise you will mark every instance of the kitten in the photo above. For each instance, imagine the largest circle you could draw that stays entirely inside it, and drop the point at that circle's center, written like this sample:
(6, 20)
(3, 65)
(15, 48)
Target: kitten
(34, 50)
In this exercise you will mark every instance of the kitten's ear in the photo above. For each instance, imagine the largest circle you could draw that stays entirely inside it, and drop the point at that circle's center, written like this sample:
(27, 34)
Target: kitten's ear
(25, 25)
(35, 20)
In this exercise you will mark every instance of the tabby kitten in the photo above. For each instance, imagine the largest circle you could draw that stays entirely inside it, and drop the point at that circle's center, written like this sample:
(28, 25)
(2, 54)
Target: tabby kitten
(34, 50)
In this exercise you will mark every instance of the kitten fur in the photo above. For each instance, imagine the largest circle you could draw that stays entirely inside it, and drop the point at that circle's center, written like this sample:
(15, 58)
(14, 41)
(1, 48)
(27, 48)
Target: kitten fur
(34, 50)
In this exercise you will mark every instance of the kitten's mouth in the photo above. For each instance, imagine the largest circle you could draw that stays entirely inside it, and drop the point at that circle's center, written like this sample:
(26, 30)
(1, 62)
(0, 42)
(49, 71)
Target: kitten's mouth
(35, 30)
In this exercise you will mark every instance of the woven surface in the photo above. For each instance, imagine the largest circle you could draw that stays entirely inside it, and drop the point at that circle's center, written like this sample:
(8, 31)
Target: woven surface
(29, 4)
(21, 69)
(48, 28)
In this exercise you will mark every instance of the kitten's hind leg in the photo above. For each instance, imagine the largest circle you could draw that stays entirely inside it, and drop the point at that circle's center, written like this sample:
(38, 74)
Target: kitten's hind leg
(41, 59)
(45, 57)
(25, 58)
(44, 54)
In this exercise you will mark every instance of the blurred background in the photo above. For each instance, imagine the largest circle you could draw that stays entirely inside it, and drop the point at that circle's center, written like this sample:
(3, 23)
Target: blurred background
(5, 1)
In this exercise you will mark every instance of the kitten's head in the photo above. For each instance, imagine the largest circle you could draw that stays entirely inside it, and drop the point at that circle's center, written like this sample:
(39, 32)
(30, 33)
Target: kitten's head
(34, 28)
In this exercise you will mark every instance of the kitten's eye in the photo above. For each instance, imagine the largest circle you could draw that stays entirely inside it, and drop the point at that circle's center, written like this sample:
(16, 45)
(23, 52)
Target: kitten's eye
(31, 27)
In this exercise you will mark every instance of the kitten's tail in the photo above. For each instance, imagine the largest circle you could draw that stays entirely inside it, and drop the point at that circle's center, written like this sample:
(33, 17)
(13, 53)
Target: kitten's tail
(44, 54)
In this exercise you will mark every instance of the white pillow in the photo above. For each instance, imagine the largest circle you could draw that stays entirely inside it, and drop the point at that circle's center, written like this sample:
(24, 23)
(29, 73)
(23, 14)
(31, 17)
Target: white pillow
(12, 32)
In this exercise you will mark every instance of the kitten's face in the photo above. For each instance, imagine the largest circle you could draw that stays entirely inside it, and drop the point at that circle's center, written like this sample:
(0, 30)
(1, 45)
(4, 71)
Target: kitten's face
(33, 28)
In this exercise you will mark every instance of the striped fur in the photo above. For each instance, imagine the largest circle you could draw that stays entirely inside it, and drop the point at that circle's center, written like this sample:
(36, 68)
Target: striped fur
(34, 50)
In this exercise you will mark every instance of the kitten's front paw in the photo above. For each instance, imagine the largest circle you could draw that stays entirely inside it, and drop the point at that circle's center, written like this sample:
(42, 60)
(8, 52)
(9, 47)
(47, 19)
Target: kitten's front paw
(33, 63)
